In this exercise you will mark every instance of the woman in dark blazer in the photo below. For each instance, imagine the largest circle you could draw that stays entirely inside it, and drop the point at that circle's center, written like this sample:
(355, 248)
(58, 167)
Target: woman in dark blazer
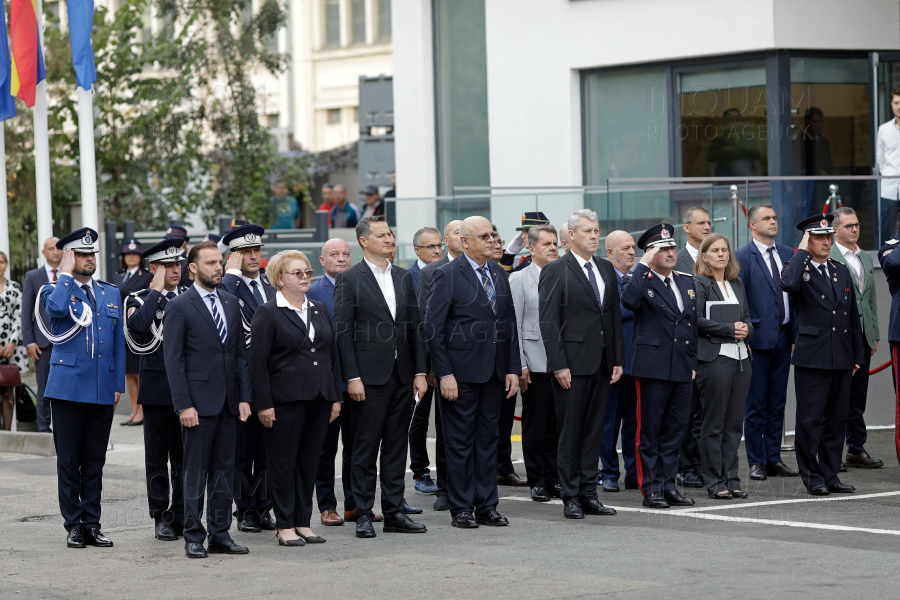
(295, 378)
(723, 371)
(133, 277)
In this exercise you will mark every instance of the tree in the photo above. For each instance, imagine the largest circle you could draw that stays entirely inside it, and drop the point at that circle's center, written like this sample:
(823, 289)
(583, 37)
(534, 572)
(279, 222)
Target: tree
(229, 44)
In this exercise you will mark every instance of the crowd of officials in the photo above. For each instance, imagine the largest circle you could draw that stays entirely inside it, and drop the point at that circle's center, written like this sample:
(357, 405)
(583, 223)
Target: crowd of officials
(244, 378)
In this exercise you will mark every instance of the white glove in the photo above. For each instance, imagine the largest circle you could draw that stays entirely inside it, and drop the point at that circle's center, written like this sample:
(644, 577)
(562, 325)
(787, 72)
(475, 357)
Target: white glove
(516, 245)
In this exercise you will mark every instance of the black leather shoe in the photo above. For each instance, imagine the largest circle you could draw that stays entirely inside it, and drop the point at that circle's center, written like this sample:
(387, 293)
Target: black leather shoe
(267, 522)
(400, 523)
(818, 490)
(592, 506)
(610, 485)
(676, 499)
(841, 488)
(555, 490)
(492, 518)
(94, 537)
(720, 495)
(689, 479)
(843, 468)
(572, 509)
(540, 494)
(738, 494)
(248, 526)
(164, 532)
(195, 550)
(364, 527)
(862, 461)
(75, 539)
(757, 473)
(464, 520)
(441, 501)
(655, 500)
(513, 479)
(408, 510)
(227, 547)
(781, 470)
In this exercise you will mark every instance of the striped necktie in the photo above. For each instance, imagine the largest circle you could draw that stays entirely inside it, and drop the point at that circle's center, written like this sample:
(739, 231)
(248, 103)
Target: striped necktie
(488, 284)
(220, 323)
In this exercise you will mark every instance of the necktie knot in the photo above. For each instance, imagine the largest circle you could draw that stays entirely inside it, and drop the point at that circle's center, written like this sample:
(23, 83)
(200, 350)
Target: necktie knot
(488, 285)
(170, 295)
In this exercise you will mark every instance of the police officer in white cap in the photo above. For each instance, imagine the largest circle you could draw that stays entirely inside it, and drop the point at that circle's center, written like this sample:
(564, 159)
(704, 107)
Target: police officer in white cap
(87, 375)
(827, 351)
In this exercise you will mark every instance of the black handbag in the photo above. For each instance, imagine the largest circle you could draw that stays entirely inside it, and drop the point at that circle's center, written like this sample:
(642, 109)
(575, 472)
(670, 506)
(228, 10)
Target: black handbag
(26, 409)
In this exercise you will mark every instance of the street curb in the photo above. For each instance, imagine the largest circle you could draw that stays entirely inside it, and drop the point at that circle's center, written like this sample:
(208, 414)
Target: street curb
(27, 443)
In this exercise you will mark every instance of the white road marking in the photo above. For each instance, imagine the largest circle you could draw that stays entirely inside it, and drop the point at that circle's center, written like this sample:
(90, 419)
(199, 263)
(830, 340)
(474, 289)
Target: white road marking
(792, 501)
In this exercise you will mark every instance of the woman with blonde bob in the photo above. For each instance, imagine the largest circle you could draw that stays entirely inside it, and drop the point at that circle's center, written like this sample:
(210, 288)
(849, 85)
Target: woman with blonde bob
(295, 377)
(723, 371)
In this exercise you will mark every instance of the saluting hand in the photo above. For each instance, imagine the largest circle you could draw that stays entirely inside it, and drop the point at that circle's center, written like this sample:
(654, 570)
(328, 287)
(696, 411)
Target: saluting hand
(647, 258)
(804, 243)
(158, 284)
(67, 265)
(235, 259)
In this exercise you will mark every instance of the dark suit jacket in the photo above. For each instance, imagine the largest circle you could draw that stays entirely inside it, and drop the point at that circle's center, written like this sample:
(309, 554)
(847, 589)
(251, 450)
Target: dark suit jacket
(829, 331)
(414, 273)
(142, 310)
(201, 373)
(665, 338)
(761, 298)
(577, 333)
(466, 338)
(889, 259)
(685, 262)
(279, 373)
(235, 286)
(186, 280)
(627, 330)
(425, 276)
(139, 281)
(368, 336)
(323, 291)
(713, 333)
(34, 279)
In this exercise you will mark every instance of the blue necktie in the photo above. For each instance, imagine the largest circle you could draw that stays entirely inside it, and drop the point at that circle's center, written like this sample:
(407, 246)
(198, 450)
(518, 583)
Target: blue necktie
(776, 279)
(90, 295)
(593, 280)
(488, 284)
(255, 285)
(220, 324)
(170, 295)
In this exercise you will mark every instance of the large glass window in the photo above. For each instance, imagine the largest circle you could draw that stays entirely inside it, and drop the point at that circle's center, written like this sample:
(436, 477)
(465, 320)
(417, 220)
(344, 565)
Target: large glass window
(358, 11)
(384, 20)
(332, 23)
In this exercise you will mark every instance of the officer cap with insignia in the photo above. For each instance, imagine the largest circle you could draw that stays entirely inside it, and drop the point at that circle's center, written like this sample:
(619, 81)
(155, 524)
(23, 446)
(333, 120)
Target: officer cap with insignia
(817, 225)
(212, 237)
(174, 230)
(166, 251)
(532, 219)
(245, 236)
(658, 236)
(131, 247)
(82, 241)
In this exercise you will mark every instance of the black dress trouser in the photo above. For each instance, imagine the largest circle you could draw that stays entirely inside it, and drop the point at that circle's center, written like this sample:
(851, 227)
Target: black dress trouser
(294, 445)
(251, 484)
(381, 422)
(418, 432)
(859, 391)
(540, 436)
(342, 428)
(163, 460)
(209, 470)
(689, 461)
(42, 368)
(81, 435)
(823, 400)
(504, 442)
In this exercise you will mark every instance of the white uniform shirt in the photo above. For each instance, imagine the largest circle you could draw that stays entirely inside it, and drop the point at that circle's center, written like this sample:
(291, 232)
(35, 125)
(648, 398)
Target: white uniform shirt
(887, 157)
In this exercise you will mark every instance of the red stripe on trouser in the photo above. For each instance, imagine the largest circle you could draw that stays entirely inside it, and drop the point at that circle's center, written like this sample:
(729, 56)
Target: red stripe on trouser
(637, 438)
(896, 401)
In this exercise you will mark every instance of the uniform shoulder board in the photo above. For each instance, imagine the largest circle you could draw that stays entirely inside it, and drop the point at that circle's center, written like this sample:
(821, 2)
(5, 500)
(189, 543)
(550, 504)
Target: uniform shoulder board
(685, 274)
(892, 242)
(100, 281)
(140, 293)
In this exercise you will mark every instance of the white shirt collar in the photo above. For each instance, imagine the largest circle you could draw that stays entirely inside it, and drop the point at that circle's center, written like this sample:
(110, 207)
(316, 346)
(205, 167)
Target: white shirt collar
(50, 271)
(203, 293)
(694, 252)
(376, 269)
(282, 302)
(762, 247)
(420, 263)
(449, 257)
(663, 277)
(330, 278)
(847, 251)
(133, 270)
(580, 260)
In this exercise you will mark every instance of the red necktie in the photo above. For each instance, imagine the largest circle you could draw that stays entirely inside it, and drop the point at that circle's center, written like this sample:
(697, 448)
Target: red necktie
(54, 275)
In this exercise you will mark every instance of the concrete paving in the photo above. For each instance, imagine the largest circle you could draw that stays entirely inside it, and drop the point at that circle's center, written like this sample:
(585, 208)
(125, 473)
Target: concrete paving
(779, 542)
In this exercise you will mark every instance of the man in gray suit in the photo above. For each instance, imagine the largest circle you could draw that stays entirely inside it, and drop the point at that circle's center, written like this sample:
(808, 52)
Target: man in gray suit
(540, 438)
(426, 275)
(36, 344)
(846, 230)
(697, 225)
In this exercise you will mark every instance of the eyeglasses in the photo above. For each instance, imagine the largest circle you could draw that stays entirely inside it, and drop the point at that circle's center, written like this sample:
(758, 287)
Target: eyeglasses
(487, 237)
(851, 226)
(431, 247)
(301, 275)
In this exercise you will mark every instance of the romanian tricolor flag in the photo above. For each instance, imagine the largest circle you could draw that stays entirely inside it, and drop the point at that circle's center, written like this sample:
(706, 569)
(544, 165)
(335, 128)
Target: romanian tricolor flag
(7, 101)
(27, 60)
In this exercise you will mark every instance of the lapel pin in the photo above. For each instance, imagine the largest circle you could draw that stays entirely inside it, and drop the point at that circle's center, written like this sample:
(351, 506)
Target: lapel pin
(650, 293)
(806, 277)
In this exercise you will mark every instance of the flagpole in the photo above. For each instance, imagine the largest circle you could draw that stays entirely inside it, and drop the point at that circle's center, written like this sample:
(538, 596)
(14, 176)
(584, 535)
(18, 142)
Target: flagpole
(4, 213)
(42, 150)
(90, 216)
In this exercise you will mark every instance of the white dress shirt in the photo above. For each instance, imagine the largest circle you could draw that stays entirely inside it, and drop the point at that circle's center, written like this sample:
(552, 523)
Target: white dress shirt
(600, 284)
(694, 252)
(303, 312)
(672, 286)
(736, 350)
(130, 273)
(887, 157)
(420, 263)
(764, 251)
(50, 272)
(851, 256)
(247, 280)
(204, 296)
(386, 283)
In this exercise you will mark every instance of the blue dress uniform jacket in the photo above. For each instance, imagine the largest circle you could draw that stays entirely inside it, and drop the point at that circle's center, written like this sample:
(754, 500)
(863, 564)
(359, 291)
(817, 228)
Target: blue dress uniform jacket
(144, 309)
(889, 258)
(323, 291)
(826, 319)
(662, 333)
(236, 286)
(761, 296)
(90, 367)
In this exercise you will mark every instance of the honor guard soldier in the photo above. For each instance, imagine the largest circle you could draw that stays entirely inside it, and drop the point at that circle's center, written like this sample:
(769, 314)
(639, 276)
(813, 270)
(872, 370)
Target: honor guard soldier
(245, 279)
(664, 362)
(87, 375)
(163, 450)
(178, 232)
(133, 277)
(828, 349)
(890, 264)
